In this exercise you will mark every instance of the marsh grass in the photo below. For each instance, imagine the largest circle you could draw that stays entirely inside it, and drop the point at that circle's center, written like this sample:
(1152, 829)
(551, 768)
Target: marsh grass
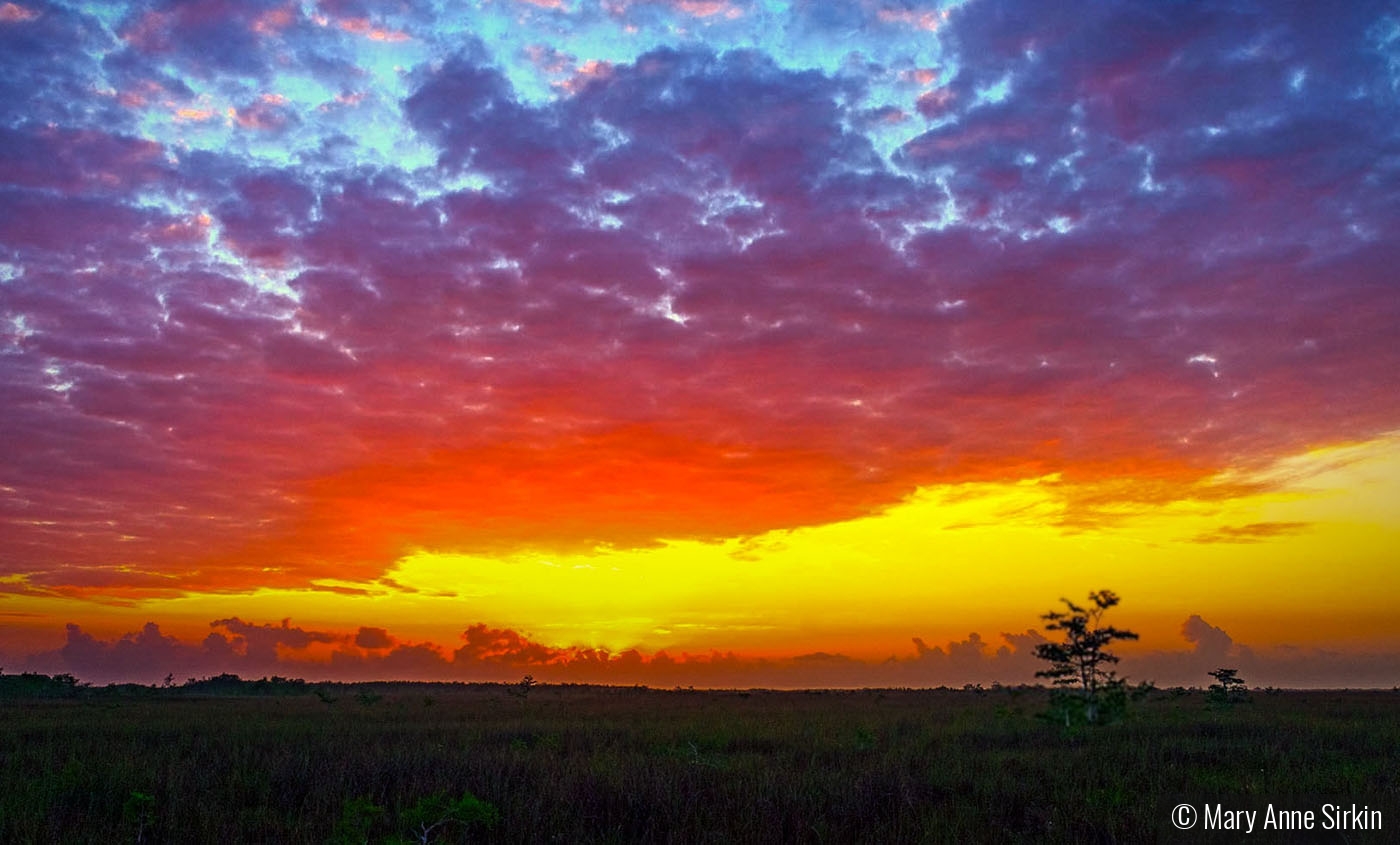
(597, 764)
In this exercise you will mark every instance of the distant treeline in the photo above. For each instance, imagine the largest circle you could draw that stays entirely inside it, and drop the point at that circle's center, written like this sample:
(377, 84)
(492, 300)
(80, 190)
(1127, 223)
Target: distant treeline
(36, 685)
(33, 685)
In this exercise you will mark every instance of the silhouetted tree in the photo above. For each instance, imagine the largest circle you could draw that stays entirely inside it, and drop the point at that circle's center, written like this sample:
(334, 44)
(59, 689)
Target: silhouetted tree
(521, 689)
(1081, 665)
(1229, 687)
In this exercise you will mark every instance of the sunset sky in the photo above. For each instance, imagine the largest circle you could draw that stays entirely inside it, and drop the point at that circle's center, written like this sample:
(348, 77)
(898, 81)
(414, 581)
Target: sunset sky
(709, 342)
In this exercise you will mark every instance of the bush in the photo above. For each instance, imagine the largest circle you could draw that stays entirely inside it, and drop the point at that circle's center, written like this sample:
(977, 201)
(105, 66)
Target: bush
(435, 812)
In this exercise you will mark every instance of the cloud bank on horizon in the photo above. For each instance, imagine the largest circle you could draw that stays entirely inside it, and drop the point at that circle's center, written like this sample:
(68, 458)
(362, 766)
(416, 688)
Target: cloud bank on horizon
(288, 290)
(486, 653)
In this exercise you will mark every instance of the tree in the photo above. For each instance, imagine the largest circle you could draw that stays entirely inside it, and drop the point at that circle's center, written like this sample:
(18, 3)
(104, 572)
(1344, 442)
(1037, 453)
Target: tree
(521, 689)
(1229, 688)
(1081, 665)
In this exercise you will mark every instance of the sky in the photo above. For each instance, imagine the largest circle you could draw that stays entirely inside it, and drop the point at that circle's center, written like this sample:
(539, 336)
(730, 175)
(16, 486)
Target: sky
(711, 342)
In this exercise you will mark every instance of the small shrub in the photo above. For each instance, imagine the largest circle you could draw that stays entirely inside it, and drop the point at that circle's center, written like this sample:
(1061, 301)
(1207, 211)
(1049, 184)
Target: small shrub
(865, 739)
(434, 813)
(139, 812)
(357, 819)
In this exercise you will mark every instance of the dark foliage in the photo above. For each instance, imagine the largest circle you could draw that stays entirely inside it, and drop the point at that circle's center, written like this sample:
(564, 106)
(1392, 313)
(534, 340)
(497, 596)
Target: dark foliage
(1229, 688)
(1089, 692)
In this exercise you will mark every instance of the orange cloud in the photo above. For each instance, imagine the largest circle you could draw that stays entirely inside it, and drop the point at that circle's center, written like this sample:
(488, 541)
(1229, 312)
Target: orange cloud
(194, 115)
(631, 486)
(627, 488)
(919, 76)
(363, 26)
(589, 71)
(1254, 532)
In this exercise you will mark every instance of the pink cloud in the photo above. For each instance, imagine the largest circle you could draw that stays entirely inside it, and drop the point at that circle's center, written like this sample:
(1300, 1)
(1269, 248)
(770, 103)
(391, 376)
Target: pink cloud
(15, 13)
(922, 77)
(590, 71)
(269, 113)
(709, 8)
(277, 20)
(929, 21)
(933, 103)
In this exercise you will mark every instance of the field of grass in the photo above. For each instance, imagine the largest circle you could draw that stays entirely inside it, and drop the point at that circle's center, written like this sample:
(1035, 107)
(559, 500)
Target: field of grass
(289, 763)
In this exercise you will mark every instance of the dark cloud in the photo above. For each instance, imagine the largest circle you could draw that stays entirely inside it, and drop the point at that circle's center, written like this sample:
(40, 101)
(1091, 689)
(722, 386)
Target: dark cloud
(208, 36)
(472, 111)
(1206, 639)
(47, 66)
(373, 638)
(262, 642)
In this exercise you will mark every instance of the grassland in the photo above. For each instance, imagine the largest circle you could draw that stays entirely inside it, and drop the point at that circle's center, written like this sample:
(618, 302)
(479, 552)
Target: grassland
(594, 764)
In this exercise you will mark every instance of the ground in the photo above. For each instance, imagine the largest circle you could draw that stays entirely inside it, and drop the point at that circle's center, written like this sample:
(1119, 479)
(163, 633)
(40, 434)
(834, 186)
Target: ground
(304, 763)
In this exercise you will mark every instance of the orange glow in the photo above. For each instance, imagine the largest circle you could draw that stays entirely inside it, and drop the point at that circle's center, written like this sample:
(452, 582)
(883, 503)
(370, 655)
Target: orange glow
(628, 487)
(1309, 540)
(194, 114)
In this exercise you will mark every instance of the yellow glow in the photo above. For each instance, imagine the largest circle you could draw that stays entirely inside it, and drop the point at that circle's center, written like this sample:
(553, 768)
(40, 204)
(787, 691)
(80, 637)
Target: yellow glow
(1308, 558)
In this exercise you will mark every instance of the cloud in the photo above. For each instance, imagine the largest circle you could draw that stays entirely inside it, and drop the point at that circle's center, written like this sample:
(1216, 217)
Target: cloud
(268, 113)
(264, 642)
(489, 653)
(373, 638)
(1205, 638)
(1283, 666)
(142, 657)
(1254, 532)
(208, 36)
